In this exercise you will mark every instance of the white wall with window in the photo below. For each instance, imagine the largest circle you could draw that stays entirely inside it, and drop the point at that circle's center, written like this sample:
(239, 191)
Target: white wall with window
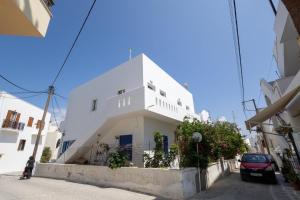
(19, 123)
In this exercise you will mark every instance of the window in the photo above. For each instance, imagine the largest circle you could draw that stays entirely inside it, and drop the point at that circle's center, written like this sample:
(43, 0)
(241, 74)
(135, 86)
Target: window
(187, 107)
(21, 145)
(30, 121)
(21, 126)
(162, 93)
(179, 102)
(151, 86)
(11, 120)
(39, 124)
(94, 105)
(121, 91)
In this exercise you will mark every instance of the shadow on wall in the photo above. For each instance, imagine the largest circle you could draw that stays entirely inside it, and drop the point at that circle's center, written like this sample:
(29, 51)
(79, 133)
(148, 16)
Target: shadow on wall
(34, 137)
(27, 9)
(8, 137)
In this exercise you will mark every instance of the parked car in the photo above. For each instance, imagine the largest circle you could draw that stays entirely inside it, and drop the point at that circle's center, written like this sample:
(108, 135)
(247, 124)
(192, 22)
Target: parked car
(258, 166)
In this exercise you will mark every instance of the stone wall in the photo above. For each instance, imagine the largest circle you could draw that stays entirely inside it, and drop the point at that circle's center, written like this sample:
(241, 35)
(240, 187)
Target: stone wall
(217, 170)
(167, 183)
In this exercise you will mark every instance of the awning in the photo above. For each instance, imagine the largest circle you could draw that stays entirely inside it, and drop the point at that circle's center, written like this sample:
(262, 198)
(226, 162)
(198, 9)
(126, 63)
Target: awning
(273, 109)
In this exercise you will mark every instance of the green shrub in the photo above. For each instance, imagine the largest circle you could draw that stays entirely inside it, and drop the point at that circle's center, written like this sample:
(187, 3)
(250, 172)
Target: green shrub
(117, 159)
(46, 155)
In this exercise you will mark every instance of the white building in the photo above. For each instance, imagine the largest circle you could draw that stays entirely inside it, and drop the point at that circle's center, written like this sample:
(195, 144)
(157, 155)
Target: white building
(124, 106)
(282, 95)
(18, 131)
(53, 140)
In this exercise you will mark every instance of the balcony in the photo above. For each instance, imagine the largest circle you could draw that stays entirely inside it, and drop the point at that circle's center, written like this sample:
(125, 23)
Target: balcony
(25, 17)
(12, 126)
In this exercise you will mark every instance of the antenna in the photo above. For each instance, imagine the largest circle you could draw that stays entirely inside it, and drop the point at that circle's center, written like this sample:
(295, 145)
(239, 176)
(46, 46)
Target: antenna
(130, 51)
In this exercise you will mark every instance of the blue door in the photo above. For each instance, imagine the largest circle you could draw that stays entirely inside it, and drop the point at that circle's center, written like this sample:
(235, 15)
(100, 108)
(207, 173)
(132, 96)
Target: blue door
(165, 143)
(125, 143)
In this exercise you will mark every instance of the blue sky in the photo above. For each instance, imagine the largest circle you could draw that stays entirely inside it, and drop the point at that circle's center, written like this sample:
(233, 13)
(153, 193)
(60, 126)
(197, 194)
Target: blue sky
(191, 40)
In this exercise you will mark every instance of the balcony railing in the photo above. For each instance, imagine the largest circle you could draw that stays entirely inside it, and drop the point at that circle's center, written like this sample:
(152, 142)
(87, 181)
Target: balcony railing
(49, 3)
(13, 125)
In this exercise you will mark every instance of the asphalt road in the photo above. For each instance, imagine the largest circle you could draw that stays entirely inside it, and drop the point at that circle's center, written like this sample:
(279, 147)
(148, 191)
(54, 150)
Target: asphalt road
(229, 188)
(233, 188)
(11, 188)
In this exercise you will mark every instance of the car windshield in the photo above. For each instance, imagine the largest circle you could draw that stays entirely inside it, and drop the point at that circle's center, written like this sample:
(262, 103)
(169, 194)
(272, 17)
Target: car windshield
(252, 158)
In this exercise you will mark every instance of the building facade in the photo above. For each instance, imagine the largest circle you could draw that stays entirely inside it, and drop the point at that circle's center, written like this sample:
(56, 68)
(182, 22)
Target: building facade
(124, 106)
(25, 17)
(282, 95)
(18, 131)
(53, 140)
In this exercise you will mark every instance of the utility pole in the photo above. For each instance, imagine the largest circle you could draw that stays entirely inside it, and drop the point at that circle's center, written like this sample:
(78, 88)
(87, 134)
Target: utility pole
(261, 128)
(233, 117)
(50, 94)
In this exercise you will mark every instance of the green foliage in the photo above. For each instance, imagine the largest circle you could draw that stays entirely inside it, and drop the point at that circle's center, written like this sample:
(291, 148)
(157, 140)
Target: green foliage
(117, 159)
(160, 159)
(288, 171)
(218, 139)
(46, 155)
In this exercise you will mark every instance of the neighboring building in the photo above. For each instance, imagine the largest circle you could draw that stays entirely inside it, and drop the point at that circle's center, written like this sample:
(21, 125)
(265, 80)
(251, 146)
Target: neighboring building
(284, 91)
(25, 17)
(53, 140)
(124, 106)
(20, 121)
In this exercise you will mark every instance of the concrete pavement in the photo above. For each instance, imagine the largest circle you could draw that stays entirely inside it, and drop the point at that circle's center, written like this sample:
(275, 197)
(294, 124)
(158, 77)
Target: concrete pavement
(229, 188)
(232, 188)
(11, 188)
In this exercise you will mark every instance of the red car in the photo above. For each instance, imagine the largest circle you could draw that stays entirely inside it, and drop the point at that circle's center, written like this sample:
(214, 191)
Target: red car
(259, 166)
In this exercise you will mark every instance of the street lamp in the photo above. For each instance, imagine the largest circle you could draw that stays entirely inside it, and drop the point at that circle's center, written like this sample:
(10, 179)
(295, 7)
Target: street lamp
(197, 137)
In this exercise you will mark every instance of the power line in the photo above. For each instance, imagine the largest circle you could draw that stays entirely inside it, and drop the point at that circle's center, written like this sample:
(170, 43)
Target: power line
(239, 50)
(236, 39)
(23, 97)
(18, 86)
(63, 97)
(57, 104)
(54, 115)
(78, 34)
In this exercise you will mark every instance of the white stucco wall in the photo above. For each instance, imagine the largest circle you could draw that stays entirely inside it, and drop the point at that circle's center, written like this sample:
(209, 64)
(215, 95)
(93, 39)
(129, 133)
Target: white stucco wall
(12, 159)
(53, 136)
(154, 125)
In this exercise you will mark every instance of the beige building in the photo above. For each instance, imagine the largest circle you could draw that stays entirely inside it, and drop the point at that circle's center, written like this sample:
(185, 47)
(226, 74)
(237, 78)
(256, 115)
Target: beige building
(25, 17)
(281, 117)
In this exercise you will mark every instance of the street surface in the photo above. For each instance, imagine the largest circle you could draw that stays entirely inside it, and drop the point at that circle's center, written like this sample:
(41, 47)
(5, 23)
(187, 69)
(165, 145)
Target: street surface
(229, 188)
(232, 188)
(11, 188)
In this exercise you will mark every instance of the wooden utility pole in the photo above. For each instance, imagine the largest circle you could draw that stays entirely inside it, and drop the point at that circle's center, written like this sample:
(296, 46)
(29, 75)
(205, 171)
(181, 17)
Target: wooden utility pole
(262, 129)
(50, 94)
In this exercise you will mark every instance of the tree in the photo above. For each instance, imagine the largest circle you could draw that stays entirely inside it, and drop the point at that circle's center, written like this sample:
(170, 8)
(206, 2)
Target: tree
(46, 155)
